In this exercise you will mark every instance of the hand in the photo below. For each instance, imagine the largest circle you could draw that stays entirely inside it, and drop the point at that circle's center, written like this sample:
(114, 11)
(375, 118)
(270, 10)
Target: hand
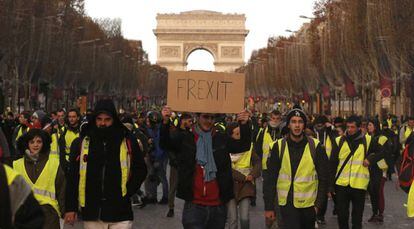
(70, 218)
(366, 163)
(243, 117)
(150, 141)
(316, 210)
(270, 215)
(249, 178)
(166, 114)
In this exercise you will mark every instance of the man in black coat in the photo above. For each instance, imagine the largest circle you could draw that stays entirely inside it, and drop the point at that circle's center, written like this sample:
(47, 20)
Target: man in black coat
(205, 179)
(109, 180)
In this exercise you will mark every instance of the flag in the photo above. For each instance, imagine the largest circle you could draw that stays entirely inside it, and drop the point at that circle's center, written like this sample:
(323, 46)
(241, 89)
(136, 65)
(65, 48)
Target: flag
(326, 92)
(350, 87)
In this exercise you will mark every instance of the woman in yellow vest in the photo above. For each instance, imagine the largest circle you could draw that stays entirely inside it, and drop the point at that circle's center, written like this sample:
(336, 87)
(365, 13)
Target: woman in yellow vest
(246, 168)
(377, 171)
(43, 174)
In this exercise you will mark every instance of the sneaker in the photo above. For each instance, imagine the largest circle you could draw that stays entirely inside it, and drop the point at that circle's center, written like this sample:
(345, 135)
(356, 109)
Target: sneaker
(373, 219)
(136, 201)
(380, 218)
(334, 212)
(170, 213)
(321, 221)
(163, 201)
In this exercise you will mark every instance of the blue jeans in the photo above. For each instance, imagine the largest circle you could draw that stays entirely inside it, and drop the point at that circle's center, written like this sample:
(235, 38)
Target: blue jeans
(234, 209)
(197, 216)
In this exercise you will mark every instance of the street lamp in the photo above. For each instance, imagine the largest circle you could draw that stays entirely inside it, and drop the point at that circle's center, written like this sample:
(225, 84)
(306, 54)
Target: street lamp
(290, 31)
(306, 17)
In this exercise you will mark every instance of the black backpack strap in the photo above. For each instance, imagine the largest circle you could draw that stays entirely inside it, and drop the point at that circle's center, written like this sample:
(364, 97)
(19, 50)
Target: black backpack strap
(341, 143)
(282, 149)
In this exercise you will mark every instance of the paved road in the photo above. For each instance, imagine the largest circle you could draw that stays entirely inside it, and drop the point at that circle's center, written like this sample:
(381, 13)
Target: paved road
(153, 216)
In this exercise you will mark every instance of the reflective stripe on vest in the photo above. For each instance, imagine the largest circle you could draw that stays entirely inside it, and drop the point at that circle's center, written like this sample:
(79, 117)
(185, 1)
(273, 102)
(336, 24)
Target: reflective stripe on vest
(70, 136)
(354, 173)
(305, 182)
(243, 164)
(124, 163)
(267, 140)
(11, 174)
(44, 187)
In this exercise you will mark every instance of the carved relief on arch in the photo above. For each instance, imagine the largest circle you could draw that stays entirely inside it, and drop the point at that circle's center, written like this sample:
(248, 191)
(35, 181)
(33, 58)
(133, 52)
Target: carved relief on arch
(211, 47)
(170, 51)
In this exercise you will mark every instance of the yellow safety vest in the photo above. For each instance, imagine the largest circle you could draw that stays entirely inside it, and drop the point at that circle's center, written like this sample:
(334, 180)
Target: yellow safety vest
(407, 132)
(410, 202)
(305, 182)
(124, 162)
(243, 164)
(70, 136)
(382, 164)
(11, 174)
(44, 187)
(267, 140)
(20, 132)
(389, 121)
(54, 147)
(354, 173)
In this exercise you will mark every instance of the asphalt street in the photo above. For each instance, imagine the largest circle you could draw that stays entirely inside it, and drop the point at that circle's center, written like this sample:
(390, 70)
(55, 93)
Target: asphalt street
(154, 216)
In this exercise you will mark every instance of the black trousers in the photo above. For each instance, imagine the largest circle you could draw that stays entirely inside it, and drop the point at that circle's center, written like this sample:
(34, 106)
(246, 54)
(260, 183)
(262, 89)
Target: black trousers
(375, 189)
(344, 197)
(297, 218)
(322, 210)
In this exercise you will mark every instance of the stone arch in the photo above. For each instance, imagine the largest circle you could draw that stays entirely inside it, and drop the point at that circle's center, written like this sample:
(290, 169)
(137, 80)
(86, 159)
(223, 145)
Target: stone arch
(223, 35)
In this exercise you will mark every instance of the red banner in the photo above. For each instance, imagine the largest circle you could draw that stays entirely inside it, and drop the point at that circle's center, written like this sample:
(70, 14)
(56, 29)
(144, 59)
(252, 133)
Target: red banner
(350, 87)
(386, 86)
(326, 92)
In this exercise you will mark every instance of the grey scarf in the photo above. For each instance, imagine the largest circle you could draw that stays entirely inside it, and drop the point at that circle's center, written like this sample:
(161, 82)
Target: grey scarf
(204, 155)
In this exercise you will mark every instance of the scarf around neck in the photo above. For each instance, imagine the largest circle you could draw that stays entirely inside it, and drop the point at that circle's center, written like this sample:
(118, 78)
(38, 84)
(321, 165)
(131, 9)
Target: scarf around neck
(204, 154)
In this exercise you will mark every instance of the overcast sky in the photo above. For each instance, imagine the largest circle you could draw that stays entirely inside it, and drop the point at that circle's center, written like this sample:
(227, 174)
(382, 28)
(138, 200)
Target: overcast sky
(264, 17)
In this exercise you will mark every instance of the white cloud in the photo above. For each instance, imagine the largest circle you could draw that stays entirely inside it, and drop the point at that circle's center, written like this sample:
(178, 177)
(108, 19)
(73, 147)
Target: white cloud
(264, 17)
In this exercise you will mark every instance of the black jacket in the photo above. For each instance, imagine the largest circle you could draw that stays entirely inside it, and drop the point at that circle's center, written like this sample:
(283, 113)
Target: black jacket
(296, 150)
(184, 145)
(103, 195)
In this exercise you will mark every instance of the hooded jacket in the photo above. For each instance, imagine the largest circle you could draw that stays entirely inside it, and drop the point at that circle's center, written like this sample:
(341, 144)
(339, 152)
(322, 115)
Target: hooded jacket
(103, 194)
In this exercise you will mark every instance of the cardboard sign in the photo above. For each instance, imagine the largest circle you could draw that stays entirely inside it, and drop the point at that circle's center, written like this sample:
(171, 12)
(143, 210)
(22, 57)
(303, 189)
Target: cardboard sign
(206, 92)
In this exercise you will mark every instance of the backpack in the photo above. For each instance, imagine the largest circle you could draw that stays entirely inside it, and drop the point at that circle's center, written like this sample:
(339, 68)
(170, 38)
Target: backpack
(406, 169)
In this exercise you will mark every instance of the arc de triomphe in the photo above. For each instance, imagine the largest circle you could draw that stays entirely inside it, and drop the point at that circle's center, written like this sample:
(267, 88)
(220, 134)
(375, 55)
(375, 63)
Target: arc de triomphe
(223, 35)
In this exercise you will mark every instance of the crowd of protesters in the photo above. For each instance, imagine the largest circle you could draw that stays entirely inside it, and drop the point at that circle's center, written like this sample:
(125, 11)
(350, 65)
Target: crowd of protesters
(96, 166)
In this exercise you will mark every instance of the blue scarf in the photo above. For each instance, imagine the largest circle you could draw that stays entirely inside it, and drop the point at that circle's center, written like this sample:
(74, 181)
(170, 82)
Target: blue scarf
(204, 155)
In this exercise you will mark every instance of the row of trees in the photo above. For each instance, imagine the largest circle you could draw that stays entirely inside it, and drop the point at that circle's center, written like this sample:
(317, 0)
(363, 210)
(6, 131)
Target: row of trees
(52, 48)
(351, 49)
